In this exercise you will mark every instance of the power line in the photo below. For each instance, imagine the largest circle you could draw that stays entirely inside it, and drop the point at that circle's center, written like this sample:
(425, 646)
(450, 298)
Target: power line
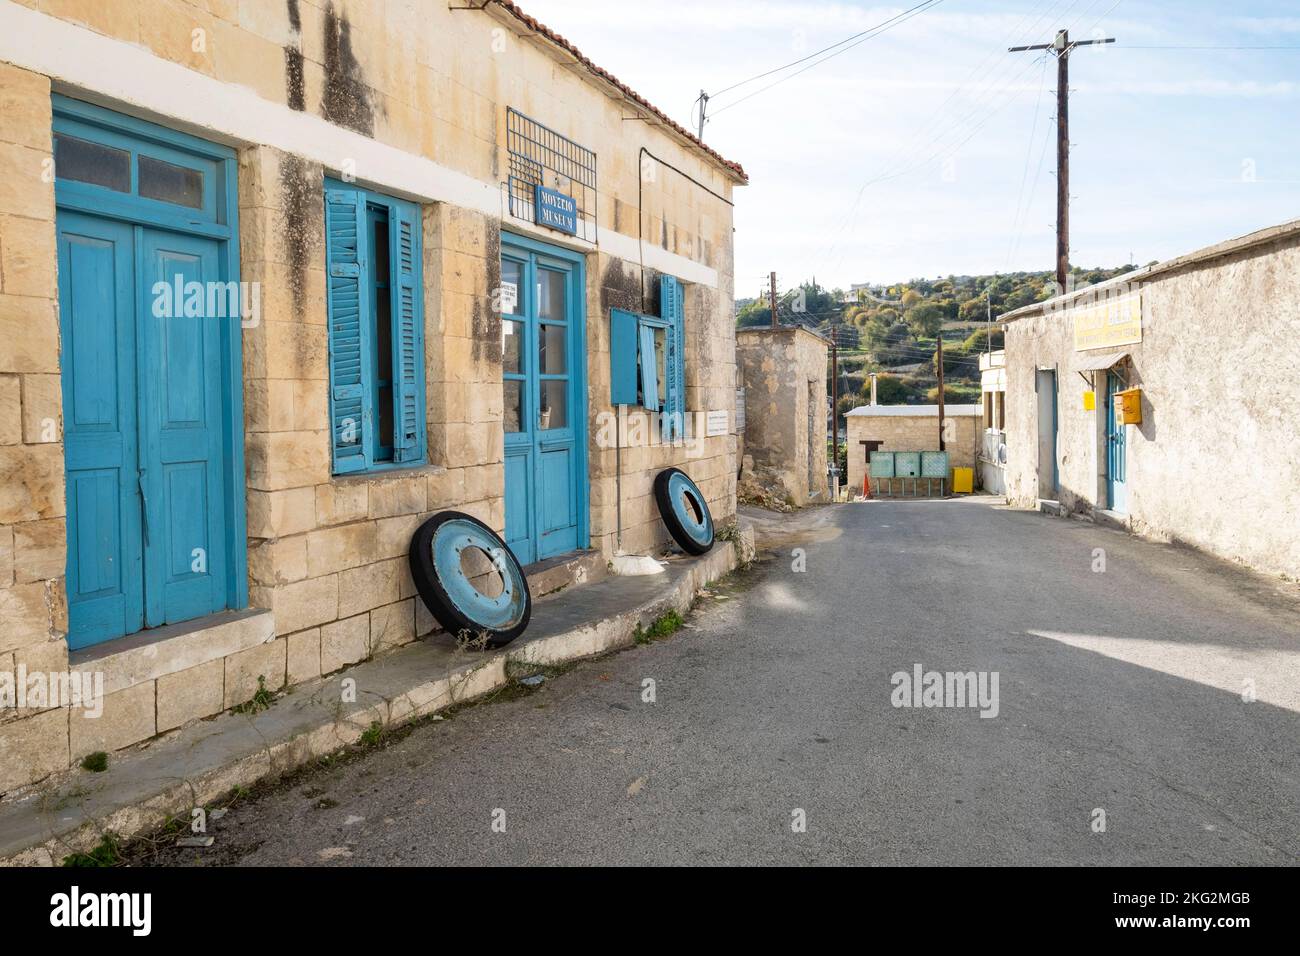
(778, 69)
(873, 32)
(923, 137)
(1134, 46)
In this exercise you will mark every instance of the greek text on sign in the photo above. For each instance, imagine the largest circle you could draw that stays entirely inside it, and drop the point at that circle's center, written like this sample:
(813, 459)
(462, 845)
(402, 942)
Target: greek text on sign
(555, 210)
(716, 423)
(1114, 320)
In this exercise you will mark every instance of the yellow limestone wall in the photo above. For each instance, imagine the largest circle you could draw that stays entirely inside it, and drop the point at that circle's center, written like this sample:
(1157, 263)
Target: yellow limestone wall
(409, 98)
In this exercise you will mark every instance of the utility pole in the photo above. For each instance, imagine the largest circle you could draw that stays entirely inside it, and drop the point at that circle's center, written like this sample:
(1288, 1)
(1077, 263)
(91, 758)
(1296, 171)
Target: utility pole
(771, 297)
(704, 105)
(1061, 48)
(988, 329)
(939, 362)
(835, 416)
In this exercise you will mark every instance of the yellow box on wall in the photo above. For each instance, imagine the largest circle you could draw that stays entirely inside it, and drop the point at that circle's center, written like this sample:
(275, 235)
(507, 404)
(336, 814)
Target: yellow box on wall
(1128, 406)
(1089, 401)
(963, 481)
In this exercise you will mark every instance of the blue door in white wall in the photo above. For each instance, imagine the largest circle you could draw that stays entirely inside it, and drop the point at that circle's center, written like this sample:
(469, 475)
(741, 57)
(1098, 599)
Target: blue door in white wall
(153, 454)
(1116, 450)
(545, 408)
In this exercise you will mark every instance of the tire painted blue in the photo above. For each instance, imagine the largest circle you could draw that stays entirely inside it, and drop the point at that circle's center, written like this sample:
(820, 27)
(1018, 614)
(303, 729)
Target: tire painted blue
(498, 613)
(688, 502)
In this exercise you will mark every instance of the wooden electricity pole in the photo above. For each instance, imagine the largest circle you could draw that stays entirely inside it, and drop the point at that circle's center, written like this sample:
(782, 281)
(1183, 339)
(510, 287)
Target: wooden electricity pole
(1061, 47)
(771, 297)
(939, 361)
(835, 416)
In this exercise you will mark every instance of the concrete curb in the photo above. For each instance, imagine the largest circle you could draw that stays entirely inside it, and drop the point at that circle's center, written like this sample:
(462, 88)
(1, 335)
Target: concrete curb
(193, 767)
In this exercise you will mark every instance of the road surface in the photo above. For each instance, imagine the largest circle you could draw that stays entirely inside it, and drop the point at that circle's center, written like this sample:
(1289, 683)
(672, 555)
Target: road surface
(1123, 729)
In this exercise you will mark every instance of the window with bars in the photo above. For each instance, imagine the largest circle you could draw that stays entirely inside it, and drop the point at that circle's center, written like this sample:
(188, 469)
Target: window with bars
(539, 156)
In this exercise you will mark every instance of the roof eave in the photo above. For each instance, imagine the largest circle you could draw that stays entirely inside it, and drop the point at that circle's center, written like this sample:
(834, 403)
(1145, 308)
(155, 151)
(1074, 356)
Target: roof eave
(1219, 250)
(507, 12)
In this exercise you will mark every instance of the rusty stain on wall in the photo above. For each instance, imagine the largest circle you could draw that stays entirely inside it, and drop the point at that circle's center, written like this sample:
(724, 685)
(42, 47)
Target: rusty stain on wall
(485, 322)
(346, 101)
(301, 192)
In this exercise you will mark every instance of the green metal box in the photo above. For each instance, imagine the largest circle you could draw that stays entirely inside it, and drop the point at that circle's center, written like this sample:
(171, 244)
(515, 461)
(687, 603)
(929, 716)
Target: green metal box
(882, 464)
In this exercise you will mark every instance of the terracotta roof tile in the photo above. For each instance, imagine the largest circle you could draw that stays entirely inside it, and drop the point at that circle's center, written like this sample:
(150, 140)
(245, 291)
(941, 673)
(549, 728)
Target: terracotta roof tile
(558, 40)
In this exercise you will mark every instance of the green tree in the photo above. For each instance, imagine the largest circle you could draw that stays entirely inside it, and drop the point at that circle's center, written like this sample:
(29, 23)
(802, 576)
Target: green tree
(924, 320)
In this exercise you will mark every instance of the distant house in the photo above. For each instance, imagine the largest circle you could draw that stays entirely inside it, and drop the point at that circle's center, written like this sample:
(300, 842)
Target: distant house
(992, 454)
(910, 428)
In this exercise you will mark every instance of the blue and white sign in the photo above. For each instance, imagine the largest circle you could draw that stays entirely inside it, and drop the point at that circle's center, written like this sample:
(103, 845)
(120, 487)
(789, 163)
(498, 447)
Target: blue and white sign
(555, 210)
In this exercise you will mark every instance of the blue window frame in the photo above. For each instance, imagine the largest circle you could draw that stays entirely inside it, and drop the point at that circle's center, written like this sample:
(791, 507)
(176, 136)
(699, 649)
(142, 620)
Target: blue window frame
(647, 359)
(376, 329)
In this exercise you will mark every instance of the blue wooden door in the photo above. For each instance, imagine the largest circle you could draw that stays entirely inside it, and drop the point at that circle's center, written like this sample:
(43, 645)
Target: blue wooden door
(97, 290)
(543, 356)
(1116, 451)
(150, 317)
(181, 434)
(142, 427)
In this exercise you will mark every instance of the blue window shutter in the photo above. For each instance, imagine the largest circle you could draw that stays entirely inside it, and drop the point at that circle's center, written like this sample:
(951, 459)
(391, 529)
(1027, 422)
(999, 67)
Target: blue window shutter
(649, 378)
(670, 308)
(408, 334)
(622, 357)
(348, 304)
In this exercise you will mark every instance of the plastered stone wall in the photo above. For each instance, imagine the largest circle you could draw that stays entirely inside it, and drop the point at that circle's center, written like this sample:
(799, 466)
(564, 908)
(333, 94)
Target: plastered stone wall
(327, 555)
(782, 369)
(910, 433)
(1214, 462)
(34, 741)
(710, 353)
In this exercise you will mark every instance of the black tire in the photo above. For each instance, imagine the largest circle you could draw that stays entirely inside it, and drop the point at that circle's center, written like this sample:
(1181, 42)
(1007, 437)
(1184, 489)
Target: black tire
(435, 593)
(698, 543)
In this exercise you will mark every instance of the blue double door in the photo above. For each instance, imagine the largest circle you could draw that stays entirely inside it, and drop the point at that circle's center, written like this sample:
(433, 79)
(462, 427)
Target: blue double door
(142, 428)
(544, 372)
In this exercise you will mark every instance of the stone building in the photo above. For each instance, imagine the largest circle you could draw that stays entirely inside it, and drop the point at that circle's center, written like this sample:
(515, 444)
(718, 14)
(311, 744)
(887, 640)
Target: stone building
(992, 453)
(1206, 348)
(784, 374)
(281, 279)
(910, 428)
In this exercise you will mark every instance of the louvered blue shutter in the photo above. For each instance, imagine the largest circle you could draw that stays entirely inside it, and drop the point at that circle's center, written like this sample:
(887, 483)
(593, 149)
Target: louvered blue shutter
(408, 335)
(649, 375)
(670, 308)
(348, 305)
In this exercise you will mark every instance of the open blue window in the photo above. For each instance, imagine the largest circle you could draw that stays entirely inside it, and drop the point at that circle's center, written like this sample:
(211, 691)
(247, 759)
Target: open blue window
(647, 359)
(376, 329)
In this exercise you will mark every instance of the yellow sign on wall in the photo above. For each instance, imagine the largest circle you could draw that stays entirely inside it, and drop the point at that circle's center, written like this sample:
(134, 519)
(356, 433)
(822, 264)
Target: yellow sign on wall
(1116, 320)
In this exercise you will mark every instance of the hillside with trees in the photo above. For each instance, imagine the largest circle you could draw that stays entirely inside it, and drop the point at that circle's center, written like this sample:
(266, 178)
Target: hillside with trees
(893, 330)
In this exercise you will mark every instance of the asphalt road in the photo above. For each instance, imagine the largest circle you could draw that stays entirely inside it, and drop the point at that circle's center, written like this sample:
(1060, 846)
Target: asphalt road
(1119, 690)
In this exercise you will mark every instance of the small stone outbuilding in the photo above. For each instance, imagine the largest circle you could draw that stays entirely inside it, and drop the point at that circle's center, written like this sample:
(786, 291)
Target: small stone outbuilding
(783, 370)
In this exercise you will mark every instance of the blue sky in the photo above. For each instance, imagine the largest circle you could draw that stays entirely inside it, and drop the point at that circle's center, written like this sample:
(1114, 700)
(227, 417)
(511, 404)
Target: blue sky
(1174, 149)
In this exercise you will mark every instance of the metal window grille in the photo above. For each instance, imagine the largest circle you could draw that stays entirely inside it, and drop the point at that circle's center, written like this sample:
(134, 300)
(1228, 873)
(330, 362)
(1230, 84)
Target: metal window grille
(540, 156)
